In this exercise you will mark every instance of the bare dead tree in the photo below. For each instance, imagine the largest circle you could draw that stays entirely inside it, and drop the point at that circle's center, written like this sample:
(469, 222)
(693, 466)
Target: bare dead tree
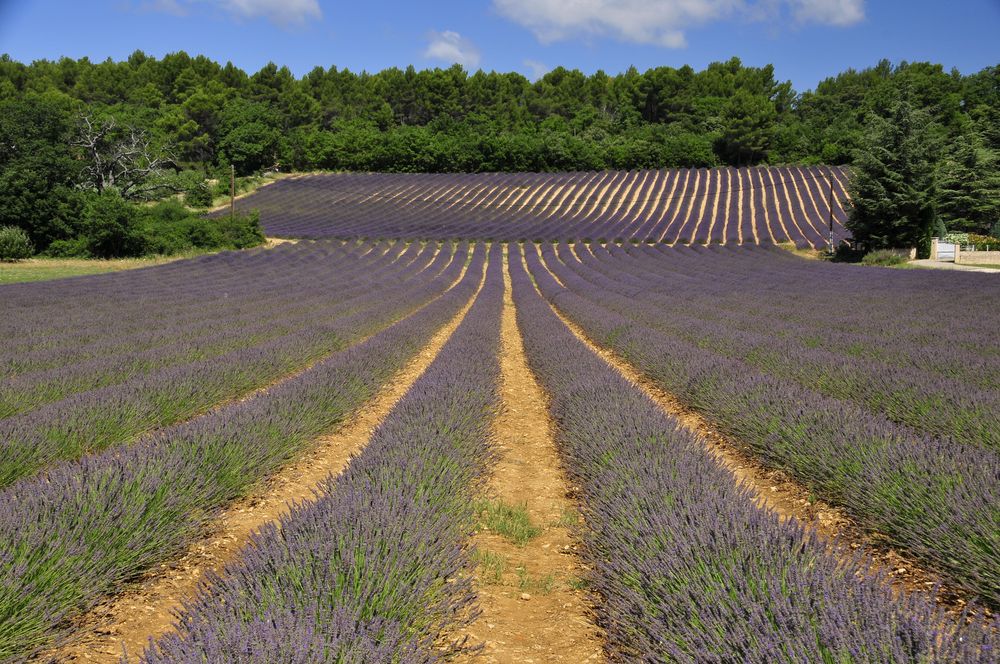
(121, 158)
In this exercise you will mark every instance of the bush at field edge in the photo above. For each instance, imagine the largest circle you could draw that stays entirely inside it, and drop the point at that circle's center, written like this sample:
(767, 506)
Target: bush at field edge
(14, 244)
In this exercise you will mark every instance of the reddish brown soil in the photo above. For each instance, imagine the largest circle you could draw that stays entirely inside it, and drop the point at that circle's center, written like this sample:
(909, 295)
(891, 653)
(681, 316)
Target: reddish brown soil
(546, 618)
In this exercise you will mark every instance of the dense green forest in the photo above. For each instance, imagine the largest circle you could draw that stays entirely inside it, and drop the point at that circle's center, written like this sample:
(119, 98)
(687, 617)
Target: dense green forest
(450, 120)
(147, 127)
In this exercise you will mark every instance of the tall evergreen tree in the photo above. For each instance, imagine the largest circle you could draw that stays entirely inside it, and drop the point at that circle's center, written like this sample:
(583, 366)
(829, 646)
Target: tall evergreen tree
(747, 128)
(968, 186)
(892, 190)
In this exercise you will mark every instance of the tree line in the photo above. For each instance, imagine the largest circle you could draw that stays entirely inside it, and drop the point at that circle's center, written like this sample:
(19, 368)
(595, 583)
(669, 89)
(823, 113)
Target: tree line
(195, 118)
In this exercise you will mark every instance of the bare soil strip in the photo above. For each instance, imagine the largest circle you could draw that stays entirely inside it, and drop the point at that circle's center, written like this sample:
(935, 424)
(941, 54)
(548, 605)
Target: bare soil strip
(764, 193)
(147, 610)
(847, 192)
(777, 206)
(715, 207)
(562, 192)
(729, 203)
(255, 392)
(776, 491)
(674, 206)
(642, 211)
(753, 209)
(788, 207)
(533, 608)
(802, 205)
(272, 242)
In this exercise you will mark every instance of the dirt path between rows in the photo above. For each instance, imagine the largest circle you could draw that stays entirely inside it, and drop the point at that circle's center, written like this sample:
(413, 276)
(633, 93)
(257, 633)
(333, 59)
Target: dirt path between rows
(148, 610)
(777, 491)
(255, 392)
(533, 606)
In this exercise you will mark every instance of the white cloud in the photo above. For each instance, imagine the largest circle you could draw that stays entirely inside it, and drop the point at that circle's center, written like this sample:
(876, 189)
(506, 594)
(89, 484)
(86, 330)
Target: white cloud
(662, 22)
(281, 12)
(537, 69)
(828, 12)
(452, 48)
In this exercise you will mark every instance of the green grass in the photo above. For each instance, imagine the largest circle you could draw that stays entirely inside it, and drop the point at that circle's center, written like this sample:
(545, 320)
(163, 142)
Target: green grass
(568, 519)
(992, 266)
(539, 585)
(43, 269)
(493, 565)
(506, 520)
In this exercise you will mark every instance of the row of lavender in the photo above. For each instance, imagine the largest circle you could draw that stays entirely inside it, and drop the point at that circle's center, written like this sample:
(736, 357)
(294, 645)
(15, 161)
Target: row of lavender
(377, 557)
(193, 317)
(721, 309)
(726, 205)
(938, 498)
(124, 402)
(76, 535)
(71, 311)
(205, 315)
(687, 566)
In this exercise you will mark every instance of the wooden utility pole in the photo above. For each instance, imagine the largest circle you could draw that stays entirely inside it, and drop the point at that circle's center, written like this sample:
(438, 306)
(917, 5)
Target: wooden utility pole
(232, 191)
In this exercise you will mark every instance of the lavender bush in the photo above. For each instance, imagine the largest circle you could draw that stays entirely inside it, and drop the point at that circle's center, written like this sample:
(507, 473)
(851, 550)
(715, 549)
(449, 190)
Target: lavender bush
(78, 534)
(687, 567)
(754, 205)
(376, 558)
(938, 499)
(90, 421)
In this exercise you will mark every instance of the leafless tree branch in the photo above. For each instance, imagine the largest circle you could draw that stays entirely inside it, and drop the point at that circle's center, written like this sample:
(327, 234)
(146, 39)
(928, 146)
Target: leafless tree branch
(120, 158)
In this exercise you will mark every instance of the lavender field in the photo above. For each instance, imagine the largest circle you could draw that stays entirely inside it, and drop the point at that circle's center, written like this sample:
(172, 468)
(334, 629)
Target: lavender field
(140, 410)
(509, 332)
(762, 205)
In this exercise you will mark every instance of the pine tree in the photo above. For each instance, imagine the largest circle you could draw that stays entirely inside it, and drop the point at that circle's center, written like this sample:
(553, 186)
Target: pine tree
(748, 124)
(968, 186)
(892, 189)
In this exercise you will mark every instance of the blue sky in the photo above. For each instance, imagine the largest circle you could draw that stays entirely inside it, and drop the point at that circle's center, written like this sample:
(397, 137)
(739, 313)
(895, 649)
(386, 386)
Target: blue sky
(806, 40)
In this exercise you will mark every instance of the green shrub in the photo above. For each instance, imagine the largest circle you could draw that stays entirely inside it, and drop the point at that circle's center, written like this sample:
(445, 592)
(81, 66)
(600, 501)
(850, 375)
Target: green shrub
(72, 248)
(14, 243)
(221, 186)
(241, 232)
(200, 195)
(984, 242)
(883, 257)
(170, 228)
(979, 242)
(112, 227)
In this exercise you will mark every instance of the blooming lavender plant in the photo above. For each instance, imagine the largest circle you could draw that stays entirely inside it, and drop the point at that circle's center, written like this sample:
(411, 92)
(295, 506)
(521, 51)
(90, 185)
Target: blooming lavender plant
(90, 421)
(961, 406)
(71, 538)
(938, 499)
(754, 205)
(370, 570)
(687, 567)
